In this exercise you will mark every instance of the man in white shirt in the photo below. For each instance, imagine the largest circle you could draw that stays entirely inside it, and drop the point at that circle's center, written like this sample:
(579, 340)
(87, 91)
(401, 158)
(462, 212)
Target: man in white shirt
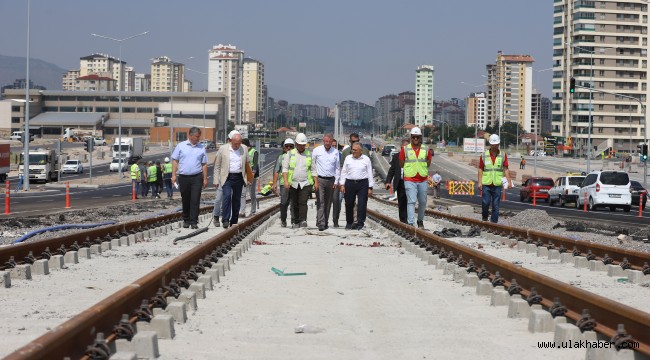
(325, 171)
(436, 178)
(356, 182)
(230, 174)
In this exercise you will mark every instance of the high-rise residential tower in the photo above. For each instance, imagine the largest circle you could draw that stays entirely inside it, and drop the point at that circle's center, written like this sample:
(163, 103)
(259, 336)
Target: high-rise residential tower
(253, 92)
(167, 75)
(602, 43)
(224, 71)
(509, 90)
(476, 110)
(424, 95)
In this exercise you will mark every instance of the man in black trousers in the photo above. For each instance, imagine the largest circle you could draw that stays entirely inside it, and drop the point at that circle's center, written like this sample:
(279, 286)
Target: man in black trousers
(395, 176)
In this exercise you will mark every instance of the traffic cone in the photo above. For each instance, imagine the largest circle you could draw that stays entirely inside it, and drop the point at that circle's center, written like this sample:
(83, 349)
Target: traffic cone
(534, 197)
(641, 196)
(503, 195)
(67, 195)
(133, 194)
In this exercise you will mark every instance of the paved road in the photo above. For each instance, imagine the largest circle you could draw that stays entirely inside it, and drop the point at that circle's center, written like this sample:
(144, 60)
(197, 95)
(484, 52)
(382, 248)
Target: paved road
(43, 202)
(452, 169)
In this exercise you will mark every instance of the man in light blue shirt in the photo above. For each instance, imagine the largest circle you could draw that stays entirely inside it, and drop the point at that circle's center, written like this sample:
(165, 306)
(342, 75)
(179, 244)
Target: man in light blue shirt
(190, 164)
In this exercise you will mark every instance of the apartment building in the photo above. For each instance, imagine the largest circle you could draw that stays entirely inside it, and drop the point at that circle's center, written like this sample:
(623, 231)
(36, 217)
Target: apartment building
(476, 111)
(142, 82)
(224, 63)
(167, 75)
(70, 80)
(509, 90)
(603, 46)
(106, 66)
(424, 78)
(253, 91)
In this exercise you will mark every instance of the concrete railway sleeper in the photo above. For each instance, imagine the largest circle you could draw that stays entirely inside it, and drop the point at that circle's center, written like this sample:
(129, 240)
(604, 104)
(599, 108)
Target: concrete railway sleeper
(584, 251)
(133, 318)
(527, 291)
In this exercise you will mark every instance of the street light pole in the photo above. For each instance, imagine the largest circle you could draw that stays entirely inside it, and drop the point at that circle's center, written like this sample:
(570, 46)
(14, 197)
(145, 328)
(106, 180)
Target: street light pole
(26, 133)
(119, 94)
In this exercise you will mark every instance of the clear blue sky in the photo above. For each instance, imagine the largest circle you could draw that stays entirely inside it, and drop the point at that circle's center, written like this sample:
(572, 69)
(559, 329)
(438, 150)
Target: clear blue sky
(315, 52)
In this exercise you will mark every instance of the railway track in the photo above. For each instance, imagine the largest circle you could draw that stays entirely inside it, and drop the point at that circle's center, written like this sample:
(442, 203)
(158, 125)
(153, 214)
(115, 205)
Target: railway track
(608, 255)
(94, 332)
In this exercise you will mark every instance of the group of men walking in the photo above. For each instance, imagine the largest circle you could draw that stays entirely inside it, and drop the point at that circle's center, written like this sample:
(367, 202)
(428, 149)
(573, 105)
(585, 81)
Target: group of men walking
(333, 173)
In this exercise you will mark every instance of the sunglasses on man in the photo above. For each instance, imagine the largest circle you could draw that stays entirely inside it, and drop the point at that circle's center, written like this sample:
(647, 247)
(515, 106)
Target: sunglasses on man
(416, 137)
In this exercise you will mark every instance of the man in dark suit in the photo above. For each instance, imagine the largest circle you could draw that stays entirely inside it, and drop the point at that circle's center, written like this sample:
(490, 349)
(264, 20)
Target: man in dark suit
(395, 180)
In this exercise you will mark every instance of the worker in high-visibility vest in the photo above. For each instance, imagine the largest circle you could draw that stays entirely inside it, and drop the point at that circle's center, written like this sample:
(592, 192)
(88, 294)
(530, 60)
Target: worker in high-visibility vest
(251, 189)
(152, 172)
(492, 167)
(415, 159)
(167, 178)
(297, 176)
(135, 176)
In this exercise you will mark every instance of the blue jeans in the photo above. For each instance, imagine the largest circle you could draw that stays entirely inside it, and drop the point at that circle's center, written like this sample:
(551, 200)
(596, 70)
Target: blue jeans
(217, 202)
(491, 194)
(232, 198)
(137, 186)
(169, 187)
(415, 191)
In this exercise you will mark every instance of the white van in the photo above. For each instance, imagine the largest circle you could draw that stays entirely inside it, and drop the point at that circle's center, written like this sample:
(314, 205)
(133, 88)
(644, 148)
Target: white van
(606, 189)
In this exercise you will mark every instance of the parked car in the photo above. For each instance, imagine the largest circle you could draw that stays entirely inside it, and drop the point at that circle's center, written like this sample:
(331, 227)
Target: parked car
(636, 189)
(565, 189)
(208, 144)
(536, 187)
(606, 189)
(387, 150)
(114, 166)
(73, 167)
(98, 141)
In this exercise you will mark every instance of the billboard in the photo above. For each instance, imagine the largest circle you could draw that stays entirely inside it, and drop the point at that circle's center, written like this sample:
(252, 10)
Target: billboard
(473, 145)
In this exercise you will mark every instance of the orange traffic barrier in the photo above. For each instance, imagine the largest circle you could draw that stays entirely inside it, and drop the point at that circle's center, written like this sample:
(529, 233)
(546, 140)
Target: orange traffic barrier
(7, 201)
(133, 194)
(67, 195)
(584, 208)
(641, 195)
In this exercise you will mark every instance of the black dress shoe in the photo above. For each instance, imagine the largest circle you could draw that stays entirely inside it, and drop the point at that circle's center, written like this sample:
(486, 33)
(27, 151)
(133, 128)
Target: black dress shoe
(194, 226)
(216, 220)
(226, 225)
(321, 228)
(186, 225)
(336, 224)
(348, 227)
(354, 226)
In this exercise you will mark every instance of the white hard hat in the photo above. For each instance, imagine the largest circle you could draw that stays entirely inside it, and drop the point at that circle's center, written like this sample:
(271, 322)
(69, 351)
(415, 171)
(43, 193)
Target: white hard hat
(289, 142)
(494, 139)
(301, 139)
(166, 159)
(416, 131)
(232, 134)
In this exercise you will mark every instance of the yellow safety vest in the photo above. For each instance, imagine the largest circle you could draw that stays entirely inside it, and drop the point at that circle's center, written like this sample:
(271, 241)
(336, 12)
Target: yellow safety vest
(152, 173)
(492, 173)
(415, 165)
(251, 154)
(167, 168)
(135, 172)
(292, 165)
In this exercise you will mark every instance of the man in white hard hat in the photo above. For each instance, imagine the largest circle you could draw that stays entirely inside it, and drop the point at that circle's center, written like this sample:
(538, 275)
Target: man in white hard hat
(287, 146)
(491, 169)
(297, 176)
(415, 159)
(167, 178)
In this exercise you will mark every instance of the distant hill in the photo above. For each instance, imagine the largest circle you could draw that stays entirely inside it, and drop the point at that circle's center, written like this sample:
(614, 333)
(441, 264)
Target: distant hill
(40, 72)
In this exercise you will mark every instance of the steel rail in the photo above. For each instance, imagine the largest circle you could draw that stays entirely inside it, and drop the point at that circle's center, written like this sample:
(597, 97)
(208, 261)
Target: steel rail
(72, 338)
(607, 313)
(28, 252)
(638, 260)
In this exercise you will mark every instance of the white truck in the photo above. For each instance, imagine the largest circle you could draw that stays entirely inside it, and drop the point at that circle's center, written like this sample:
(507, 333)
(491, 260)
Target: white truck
(43, 165)
(71, 135)
(130, 148)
